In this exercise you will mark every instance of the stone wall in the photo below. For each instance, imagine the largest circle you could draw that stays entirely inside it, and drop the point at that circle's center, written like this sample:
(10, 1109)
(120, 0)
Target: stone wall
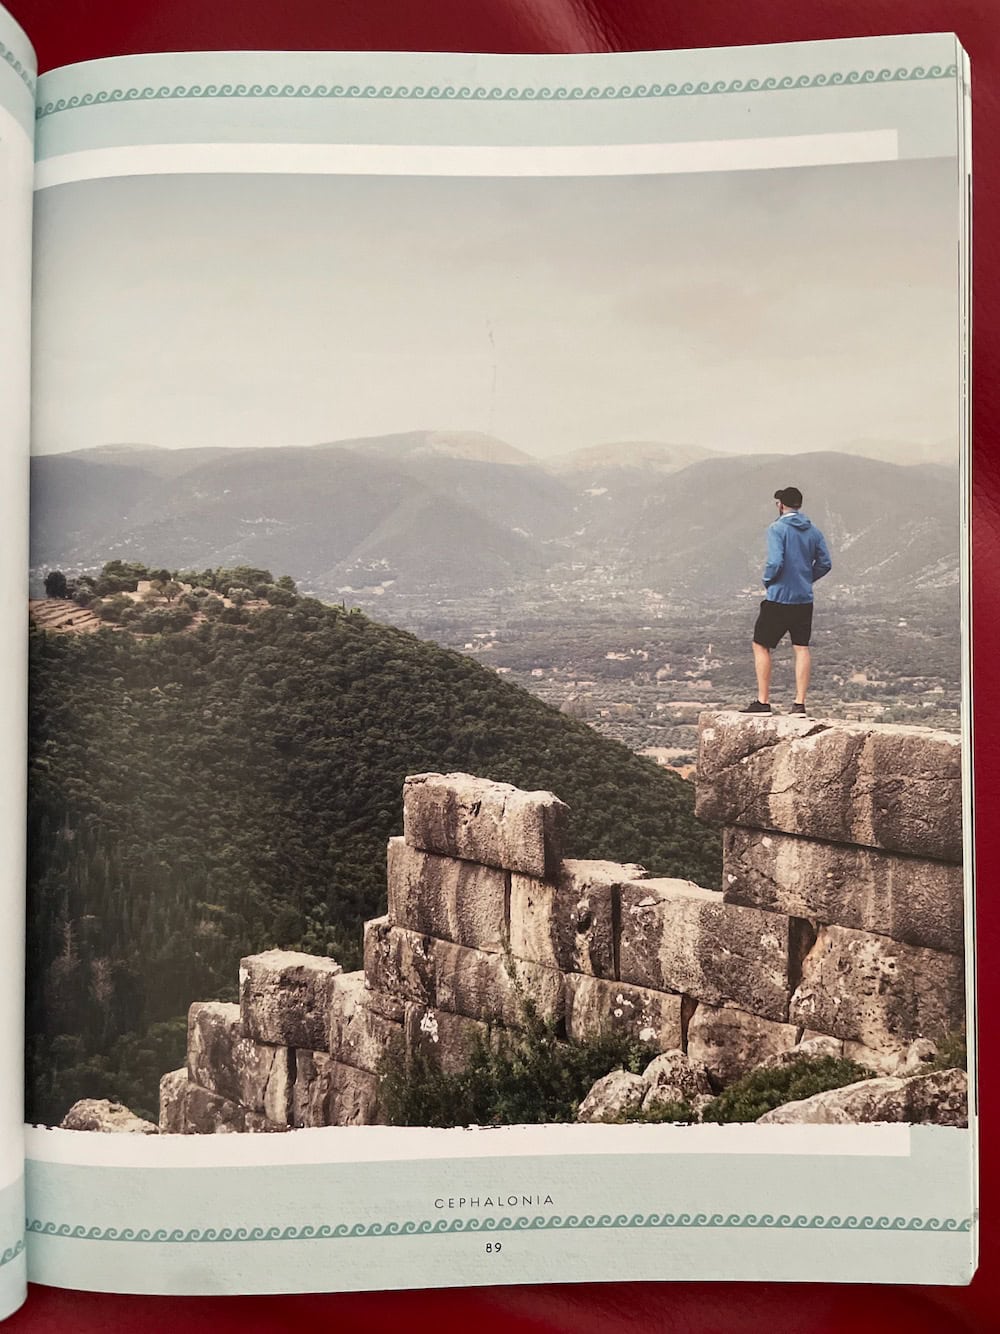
(840, 914)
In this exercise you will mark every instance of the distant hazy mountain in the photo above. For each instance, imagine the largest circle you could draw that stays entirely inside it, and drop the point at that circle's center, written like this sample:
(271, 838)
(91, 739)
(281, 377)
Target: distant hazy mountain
(650, 455)
(889, 527)
(452, 513)
(326, 513)
(148, 458)
(474, 445)
(941, 452)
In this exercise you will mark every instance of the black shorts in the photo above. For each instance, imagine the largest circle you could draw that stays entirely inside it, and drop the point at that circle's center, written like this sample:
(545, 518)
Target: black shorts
(776, 619)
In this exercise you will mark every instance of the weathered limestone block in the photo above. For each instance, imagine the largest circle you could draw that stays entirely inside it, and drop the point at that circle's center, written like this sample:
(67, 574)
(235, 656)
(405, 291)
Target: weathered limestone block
(676, 936)
(458, 815)
(940, 1098)
(312, 1088)
(357, 1035)
(914, 899)
(256, 1123)
(223, 1061)
(879, 1060)
(445, 976)
(729, 1042)
(871, 989)
(384, 1003)
(398, 964)
(329, 1093)
(213, 1029)
(613, 1094)
(875, 784)
(285, 997)
(107, 1117)
(595, 1006)
(917, 1056)
(909, 1060)
(494, 987)
(568, 921)
(674, 1077)
(454, 900)
(813, 1048)
(443, 1037)
(173, 1100)
(207, 1114)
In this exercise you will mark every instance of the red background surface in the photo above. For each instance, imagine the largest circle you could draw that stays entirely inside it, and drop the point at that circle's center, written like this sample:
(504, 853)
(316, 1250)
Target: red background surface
(86, 29)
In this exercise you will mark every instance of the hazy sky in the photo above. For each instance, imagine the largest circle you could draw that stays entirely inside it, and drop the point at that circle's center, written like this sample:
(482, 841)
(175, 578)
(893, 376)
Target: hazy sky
(750, 311)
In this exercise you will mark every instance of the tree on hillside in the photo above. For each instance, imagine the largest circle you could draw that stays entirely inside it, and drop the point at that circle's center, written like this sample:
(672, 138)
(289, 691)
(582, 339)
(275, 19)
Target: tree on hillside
(55, 584)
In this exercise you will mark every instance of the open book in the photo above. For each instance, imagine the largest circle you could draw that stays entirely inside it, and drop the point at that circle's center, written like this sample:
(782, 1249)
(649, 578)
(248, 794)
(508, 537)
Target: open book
(499, 800)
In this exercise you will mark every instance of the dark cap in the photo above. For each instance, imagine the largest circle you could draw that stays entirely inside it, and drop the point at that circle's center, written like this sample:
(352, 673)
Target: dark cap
(790, 496)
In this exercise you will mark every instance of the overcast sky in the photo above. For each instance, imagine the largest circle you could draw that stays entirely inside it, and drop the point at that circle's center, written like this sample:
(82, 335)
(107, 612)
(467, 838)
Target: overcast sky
(750, 311)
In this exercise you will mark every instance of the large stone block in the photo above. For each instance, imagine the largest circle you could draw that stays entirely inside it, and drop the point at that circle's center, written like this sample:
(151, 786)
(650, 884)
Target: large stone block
(357, 1035)
(207, 1114)
(444, 1038)
(173, 1099)
(186, 1109)
(213, 1029)
(613, 1096)
(873, 990)
(329, 1093)
(445, 976)
(568, 921)
(285, 998)
(384, 1003)
(878, 785)
(674, 1077)
(595, 1006)
(454, 900)
(399, 966)
(729, 1042)
(105, 1117)
(914, 899)
(676, 936)
(223, 1061)
(458, 815)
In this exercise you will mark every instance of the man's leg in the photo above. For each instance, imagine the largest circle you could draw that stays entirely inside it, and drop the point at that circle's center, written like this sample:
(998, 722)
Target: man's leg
(803, 665)
(762, 666)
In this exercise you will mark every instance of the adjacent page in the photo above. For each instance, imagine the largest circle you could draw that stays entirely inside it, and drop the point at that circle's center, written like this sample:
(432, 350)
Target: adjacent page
(17, 102)
(420, 441)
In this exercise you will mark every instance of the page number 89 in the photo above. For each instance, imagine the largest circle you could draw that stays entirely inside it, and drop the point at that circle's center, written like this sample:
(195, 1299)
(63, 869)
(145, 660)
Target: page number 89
(494, 1247)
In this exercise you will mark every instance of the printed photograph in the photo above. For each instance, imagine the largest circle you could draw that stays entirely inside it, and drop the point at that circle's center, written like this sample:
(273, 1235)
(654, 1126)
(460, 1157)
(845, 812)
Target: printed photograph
(496, 651)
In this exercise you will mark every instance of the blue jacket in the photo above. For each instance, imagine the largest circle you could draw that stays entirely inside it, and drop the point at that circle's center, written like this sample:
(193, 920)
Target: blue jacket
(796, 557)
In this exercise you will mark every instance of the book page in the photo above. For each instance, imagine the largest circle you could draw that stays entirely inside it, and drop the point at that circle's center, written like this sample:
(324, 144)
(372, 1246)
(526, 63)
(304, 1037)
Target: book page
(17, 84)
(499, 753)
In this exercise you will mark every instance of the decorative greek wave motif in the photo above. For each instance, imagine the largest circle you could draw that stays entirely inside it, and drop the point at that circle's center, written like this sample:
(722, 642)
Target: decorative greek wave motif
(496, 93)
(26, 77)
(552, 1223)
(11, 1253)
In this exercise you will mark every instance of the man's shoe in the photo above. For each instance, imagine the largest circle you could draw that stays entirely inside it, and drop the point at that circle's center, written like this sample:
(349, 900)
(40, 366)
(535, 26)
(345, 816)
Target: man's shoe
(800, 710)
(756, 707)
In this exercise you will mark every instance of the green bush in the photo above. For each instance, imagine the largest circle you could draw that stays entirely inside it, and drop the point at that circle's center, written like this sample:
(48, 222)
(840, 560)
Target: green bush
(952, 1054)
(526, 1078)
(760, 1091)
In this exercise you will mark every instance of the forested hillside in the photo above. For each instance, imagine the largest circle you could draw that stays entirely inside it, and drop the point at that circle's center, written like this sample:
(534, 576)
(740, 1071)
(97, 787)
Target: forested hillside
(197, 796)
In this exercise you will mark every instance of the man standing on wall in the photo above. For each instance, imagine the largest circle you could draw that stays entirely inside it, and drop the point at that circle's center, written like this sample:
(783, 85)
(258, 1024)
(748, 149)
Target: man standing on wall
(797, 556)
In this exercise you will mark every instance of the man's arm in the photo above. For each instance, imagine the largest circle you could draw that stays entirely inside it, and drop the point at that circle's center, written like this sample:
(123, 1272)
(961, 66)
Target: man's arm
(822, 564)
(775, 553)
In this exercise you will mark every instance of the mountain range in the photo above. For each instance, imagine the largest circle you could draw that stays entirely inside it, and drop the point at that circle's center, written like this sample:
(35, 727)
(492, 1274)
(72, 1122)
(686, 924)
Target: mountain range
(452, 513)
